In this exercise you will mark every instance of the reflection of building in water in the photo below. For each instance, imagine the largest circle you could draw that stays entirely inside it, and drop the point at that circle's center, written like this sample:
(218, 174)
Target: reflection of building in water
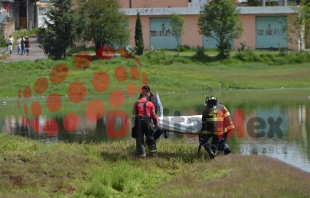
(10, 125)
(307, 124)
(2, 125)
(249, 130)
(84, 131)
(298, 124)
(293, 123)
(302, 122)
(6, 125)
(84, 123)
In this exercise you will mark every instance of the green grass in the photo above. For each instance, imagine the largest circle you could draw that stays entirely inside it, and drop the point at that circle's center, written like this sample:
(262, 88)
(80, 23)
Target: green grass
(78, 49)
(33, 169)
(169, 73)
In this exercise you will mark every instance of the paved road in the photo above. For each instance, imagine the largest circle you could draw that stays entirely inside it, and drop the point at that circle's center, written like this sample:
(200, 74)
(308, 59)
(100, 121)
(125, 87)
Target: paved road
(34, 54)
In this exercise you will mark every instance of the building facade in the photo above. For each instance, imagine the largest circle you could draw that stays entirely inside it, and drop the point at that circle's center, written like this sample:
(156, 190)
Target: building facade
(22, 11)
(262, 29)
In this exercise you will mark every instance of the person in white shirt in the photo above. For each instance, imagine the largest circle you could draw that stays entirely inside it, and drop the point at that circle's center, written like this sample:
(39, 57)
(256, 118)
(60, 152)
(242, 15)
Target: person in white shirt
(10, 42)
(18, 41)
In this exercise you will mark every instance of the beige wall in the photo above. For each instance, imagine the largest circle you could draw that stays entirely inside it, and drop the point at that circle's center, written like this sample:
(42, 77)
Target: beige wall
(154, 3)
(7, 27)
(145, 20)
(248, 35)
(191, 37)
(293, 46)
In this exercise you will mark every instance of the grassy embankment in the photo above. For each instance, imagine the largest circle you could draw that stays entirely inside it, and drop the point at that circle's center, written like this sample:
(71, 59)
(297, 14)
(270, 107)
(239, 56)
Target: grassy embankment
(166, 73)
(110, 170)
(33, 169)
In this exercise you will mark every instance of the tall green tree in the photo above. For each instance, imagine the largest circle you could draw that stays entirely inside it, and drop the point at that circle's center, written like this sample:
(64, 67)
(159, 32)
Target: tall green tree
(139, 36)
(62, 29)
(107, 26)
(219, 20)
(298, 25)
(177, 25)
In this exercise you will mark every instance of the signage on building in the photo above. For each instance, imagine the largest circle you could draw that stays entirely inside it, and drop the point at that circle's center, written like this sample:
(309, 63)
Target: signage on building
(162, 32)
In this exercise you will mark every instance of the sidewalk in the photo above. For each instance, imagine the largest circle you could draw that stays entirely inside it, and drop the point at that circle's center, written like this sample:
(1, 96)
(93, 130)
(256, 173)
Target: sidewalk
(34, 53)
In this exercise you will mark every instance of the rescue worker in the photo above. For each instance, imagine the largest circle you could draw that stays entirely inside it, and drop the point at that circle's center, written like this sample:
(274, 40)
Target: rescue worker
(145, 112)
(158, 107)
(154, 99)
(216, 123)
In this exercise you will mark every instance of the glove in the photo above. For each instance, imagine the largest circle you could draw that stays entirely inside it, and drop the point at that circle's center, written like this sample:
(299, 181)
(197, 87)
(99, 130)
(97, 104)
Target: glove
(155, 127)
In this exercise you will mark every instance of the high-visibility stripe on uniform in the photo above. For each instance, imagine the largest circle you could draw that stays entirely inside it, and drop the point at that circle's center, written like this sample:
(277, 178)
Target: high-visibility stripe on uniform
(226, 114)
(214, 119)
(230, 127)
(212, 133)
(142, 155)
(153, 151)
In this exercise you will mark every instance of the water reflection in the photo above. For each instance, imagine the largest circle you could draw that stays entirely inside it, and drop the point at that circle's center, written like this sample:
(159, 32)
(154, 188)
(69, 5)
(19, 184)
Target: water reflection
(271, 123)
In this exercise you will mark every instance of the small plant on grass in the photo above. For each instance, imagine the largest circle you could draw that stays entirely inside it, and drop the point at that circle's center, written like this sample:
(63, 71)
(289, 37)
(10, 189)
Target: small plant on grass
(200, 51)
(131, 50)
(244, 46)
(2, 41)
(159, 57)
(282, 50)
(247, 56)
(185, 48)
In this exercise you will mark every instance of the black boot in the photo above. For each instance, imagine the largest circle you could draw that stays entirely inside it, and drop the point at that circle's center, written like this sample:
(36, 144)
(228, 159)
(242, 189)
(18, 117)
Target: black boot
(227, 150)
(213, 148)
(209, 150)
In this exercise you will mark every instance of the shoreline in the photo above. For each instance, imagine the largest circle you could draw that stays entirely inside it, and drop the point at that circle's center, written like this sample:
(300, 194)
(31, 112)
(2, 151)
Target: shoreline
(169, 93)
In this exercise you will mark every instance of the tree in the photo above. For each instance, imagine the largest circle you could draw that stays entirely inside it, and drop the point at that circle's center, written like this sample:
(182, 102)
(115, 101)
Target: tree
(177, 28)
(298, 25)
(107, 26)
(62, 29)
(139, 36)
(219, 20)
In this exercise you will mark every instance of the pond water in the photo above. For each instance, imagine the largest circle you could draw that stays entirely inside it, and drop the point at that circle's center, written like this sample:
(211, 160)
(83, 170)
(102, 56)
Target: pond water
(274, 123)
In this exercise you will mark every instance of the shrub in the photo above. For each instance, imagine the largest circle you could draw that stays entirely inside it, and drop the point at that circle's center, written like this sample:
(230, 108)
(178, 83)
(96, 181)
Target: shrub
(185, 48)
(247, 56)
(2, 41)
(159, 57)
(180, 59)
(25, 32)
(200, 51)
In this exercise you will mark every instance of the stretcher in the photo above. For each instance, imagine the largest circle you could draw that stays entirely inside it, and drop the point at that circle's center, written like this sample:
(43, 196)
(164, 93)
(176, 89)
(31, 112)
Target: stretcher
(181, 124)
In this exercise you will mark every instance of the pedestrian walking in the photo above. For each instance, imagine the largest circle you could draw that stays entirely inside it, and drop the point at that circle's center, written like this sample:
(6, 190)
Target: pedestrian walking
(10, 42)
(22, 45)
(18, 44)
(27, 45)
